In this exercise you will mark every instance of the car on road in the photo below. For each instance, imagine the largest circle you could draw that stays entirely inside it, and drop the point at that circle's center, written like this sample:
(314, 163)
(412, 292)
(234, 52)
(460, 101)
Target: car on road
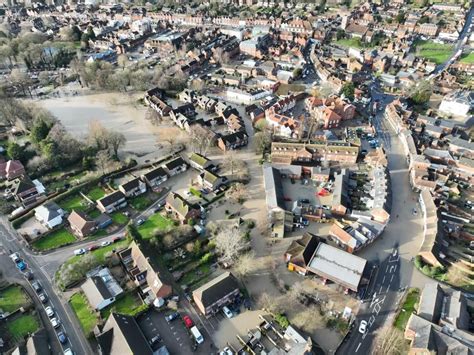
(28, 275)
(55, 322)
(49, 311)
(171, 317)
(43, 297)
(140, 221)
(227, 312)
(21, 265)
(15, 257)
(116, 239)
(106, 243)
(79, 251)
(304, 200)
(93, 247)
(188, 322)
(363, 327)
(62, 337)
(36, 286)
(68, 351)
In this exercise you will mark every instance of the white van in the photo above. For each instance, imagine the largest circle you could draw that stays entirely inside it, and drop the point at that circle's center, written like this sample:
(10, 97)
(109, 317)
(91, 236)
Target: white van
(197, 335)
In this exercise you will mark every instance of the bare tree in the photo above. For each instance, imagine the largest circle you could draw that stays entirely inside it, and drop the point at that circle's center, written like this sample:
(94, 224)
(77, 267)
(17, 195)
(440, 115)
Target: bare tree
(237, 192)
(245, 264)
(230, 242)
(116, 140)
(390, 341)
(262, 142)
(201, 140)
(103, 161)
(96, 135)
(122, 61)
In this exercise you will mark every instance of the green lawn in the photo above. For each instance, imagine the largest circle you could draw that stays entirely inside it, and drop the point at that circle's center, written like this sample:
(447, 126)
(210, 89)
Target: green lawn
(434, 52)
(54, 240)
(411, 301)
(467, 58)
(156, 222)
(96, 193)
(12, 298)
(350, 42)
(128, 304)
(22, 326)
(86, 315)
(140, 202)
(75, 202)
(195, 274)
(119, 218)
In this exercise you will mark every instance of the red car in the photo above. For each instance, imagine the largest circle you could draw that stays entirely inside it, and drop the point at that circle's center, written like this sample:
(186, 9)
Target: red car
(93, 247)
(188, 322)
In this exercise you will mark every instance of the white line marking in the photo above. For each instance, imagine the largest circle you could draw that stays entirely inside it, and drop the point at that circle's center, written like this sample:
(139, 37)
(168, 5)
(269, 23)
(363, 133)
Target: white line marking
(386, 270)
(391, 279)
(388, 287)
(395, 269)
(380, 291)
(371, 320)
(358, 346)
(383, 280)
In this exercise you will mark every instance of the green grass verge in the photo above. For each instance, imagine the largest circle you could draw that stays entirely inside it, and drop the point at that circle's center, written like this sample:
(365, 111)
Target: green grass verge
(129, 304)
(409, 306)
(140, 202)
(85, 314)
(96, 193)
(54, 240)
(119, 218)
(12, 298)
(100, 253)
(467, 58)
(22, 326)
(434, 52)
(75, 202)
(155, 223)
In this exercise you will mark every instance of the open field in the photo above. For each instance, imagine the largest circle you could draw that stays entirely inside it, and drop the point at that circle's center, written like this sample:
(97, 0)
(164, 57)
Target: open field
(155, 223)
(86, 316)
(12, 298)
(54, 240)
(434, 52)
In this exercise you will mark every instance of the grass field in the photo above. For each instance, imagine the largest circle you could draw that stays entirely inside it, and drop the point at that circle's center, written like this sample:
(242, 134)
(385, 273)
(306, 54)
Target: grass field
(96, 193)
(22, 326)
(467, 58)
(128, 305)
(156, 222)
(75, 202)
(350, 42)
(54, 240)
(86, 315)
(119, 218)
(408, 307)
(140, 202)
(12, 298)
(434, 52)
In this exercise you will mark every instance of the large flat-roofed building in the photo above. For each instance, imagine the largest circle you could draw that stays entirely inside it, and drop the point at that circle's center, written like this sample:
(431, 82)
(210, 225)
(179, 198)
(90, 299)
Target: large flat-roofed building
(338, 266)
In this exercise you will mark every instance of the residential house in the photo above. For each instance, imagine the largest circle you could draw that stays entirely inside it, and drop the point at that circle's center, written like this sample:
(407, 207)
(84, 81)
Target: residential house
(49, 214)
(101, 289)
(199, 162)
(11, 169)
(457, 103)
(112, 202)
(155, 98)
(28, 192)
(143, 274)
(133, 187)
(232, 141)
(176, 166)
(331, 111)
(429, 250)
(81, 224)
(155, 177)
(209, 180)
(299, 253)
(122, 335)
(343, 238)
(215, 294)
(182, 209)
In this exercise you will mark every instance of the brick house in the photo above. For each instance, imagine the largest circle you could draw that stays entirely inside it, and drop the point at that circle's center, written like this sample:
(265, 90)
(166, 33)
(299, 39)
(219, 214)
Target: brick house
(232, 141)
(81, 224)
(11, 169)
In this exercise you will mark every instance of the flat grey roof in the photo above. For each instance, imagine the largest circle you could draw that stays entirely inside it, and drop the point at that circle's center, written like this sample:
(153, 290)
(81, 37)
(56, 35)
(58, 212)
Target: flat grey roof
(337, 265)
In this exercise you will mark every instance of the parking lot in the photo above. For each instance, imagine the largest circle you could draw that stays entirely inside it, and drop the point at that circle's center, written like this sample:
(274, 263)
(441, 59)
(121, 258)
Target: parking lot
(297, 191)
(174, 334)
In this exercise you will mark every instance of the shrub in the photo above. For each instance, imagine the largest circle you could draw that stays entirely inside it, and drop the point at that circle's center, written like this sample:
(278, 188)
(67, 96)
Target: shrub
(205, 258)
(282, 320)
(251, 224)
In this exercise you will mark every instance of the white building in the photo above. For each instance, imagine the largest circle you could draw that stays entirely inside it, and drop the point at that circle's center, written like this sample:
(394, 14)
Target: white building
(457, 103)
(50, 215)
(101, 289)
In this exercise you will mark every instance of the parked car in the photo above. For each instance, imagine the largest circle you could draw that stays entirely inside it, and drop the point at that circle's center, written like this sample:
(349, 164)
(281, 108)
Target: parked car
(79, 251)
(36, 286)
(140, 221)
(49, 311)
(15, 257)
(197, 335)
(62, 337)
(106, 243)
(171, 317)
(116, 239)
(226, 351)
(21, 265)
(55, 322)
(188, 322)
(155, 339)
(43, 298)
(28, 275)
(93, 247)
(363, 327)
(68, 351)
(304, 200)
(227, 312)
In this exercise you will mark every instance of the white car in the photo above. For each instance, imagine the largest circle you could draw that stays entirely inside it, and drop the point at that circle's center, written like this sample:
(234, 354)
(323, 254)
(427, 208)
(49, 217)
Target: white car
(55, 322)
(49, 311)
(105, 244)
(15, 257)
(79, 251)
(363, 327)
(227, 312)
(226, 351)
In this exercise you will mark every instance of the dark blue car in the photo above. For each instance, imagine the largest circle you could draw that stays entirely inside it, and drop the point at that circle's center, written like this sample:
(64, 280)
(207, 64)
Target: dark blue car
(62, 338)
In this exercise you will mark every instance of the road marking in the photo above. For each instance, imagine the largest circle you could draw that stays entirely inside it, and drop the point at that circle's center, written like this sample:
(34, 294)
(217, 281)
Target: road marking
(380, 291)
(358, 346)
(388, 287)
(395, 269)
(398, 171)
(371, 320)
(377, 308)
(386, 269)
(391, 279)
(383, 280)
